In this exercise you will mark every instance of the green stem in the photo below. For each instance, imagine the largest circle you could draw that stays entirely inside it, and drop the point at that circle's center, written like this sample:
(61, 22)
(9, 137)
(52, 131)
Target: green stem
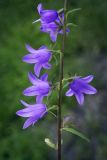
(60, 81)
(70, 78)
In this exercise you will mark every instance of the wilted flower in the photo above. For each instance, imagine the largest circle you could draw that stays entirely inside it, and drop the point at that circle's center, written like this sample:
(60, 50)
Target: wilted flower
(54, 28)
(40, 87)
(79, 87)
(46, 15)
(40, 58)
(33, 112)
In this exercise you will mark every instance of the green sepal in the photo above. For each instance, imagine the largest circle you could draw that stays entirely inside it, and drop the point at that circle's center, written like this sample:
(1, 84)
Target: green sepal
(77, 133)
(65, 85)
(54, 107)
(53, 114)
(61, 10)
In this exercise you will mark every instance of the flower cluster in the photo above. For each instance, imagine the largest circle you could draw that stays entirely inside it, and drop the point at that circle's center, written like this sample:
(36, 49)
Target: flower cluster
(52, 22)
(40, 86)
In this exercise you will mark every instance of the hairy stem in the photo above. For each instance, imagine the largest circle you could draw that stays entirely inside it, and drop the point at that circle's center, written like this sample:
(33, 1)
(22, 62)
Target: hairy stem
(60, 80)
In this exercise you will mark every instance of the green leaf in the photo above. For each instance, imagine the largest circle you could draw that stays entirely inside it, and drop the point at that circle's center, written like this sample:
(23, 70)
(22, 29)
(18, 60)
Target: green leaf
(72, 11)
(50, 143)
(75, 132)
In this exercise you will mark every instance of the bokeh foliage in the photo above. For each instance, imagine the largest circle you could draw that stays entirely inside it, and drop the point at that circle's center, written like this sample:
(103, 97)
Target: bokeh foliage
(86, 53)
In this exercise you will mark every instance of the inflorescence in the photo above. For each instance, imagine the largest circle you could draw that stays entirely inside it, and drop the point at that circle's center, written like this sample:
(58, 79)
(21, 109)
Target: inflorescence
(52, 23)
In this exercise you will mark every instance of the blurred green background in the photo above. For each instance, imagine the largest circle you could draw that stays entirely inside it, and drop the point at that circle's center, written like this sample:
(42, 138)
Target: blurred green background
(86, 53)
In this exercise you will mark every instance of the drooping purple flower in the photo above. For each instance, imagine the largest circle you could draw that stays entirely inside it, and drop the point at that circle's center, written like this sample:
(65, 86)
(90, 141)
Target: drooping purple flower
(54, 28)
(40, 87)
(40, 58)
(47, 16)
(33, 112)
(79, 86)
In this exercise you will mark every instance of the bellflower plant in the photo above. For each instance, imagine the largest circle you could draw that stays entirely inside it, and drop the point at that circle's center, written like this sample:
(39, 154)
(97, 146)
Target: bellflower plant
(52, 22)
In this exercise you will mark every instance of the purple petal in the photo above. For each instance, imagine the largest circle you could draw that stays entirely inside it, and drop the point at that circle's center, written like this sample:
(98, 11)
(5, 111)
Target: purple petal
(49, 16)
(43, 47)
(32, 78)
(88, 89)
(44, 77)
(43, 28)
(29, 122)
(25, 104)
(62, 32)
(37, 69)
(69, 93)
(31, 91)
(30, 58)
(30, 49)
(53, 36)
(39, 8)
(27, 112)
(88, 78)
(42, 88)
(47, 66)
(80, 97)
(39, 99)
(67, 30)
(36, 111)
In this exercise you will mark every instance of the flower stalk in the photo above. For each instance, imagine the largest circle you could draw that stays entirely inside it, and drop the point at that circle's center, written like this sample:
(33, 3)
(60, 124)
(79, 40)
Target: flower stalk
(60, 81)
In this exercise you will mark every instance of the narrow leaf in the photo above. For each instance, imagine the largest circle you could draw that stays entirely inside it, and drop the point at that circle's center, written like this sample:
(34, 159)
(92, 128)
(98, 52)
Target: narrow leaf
(71, 24)
(53, 114)
(54, 107)
(50, 144)
(72, 11)
(75, 132)
(56, 61)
